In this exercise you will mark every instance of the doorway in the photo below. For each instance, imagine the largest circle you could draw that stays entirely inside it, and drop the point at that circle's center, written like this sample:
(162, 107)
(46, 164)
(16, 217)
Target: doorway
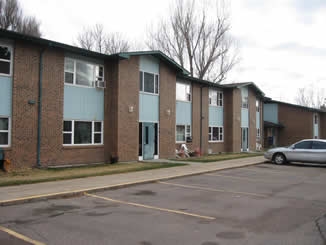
(244, 139)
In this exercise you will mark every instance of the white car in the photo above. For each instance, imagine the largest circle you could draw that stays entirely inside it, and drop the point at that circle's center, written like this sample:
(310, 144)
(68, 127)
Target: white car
(309, 150)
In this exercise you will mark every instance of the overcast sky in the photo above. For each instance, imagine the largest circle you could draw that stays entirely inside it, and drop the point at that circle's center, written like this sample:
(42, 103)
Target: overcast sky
(282, 42)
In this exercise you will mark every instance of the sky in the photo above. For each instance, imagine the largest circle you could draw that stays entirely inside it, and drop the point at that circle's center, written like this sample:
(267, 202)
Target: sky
(281, 43)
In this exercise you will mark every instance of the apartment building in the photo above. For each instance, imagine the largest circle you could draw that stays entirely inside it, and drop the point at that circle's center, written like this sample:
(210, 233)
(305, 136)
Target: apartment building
(285, 123)
(60, 104)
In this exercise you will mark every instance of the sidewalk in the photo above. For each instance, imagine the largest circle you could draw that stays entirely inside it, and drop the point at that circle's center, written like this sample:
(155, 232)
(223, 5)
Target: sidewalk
(68, 188)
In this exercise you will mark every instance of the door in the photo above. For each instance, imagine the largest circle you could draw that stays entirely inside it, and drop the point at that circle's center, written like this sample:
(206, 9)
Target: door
(148, 141)
(244, 139)
(301, 152)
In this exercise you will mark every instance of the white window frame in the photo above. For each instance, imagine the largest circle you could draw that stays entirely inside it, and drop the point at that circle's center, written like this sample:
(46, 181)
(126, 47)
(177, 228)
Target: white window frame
(220, 134)
(92, 133)
(190, 89)
(95, 76)
(187, 134)
(7, 131)
(155, 86)
(9, 61)
(219, 97)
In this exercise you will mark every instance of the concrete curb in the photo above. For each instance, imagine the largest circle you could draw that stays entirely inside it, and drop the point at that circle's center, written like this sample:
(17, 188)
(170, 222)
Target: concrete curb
(76, 193)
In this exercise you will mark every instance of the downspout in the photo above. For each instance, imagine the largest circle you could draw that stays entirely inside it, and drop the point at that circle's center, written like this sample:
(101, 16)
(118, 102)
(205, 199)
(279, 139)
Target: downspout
(39, 115)
(201, 119)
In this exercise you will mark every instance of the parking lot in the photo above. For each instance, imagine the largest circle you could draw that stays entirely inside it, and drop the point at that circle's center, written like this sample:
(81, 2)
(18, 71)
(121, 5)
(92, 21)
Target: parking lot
(262, 204)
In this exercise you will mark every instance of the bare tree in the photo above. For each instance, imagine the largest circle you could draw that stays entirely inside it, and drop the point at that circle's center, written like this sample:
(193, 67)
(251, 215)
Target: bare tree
(196, 40)
(12, 18)
(95, 39)
(311, 97)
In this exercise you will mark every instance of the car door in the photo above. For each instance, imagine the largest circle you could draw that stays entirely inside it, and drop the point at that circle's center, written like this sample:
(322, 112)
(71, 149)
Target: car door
(302, 151)
(319, 151)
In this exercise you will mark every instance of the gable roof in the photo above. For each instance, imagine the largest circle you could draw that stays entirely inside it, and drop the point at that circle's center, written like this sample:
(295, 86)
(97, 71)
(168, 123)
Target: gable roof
(157, 54)
(200, 81)
(240, 85)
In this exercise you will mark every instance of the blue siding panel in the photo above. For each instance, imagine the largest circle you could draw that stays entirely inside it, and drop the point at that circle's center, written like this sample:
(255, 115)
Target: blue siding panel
(5, 95)
(271, 113)
(215, 116)
(257, 119)
(244, 118)
(149, 64)
(183, 113)
(148, 108)
(83, 103)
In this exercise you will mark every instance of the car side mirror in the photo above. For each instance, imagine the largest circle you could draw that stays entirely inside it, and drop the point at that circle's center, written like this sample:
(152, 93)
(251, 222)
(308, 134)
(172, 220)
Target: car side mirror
(292, 147)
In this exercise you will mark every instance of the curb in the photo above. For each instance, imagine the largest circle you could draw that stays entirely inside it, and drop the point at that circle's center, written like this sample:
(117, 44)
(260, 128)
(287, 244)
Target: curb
(81, 192)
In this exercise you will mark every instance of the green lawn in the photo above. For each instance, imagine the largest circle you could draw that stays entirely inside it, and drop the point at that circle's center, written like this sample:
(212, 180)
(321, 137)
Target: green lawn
(220, 157)
(31, 176)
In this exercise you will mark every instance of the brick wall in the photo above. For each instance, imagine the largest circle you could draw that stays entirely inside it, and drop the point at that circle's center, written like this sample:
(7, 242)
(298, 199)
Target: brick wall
(298, 124)
(128, 96)
(167, 111)
(323, 125)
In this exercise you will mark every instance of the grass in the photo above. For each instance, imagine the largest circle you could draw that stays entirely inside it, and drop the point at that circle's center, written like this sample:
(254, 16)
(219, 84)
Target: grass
(220, 157)
(31, 176)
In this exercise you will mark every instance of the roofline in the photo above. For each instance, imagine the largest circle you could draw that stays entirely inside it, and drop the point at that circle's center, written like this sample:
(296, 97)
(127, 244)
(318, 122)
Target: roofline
(158, 53)
(240, 85)
(49, 43)
(271, 101)
(200, 81)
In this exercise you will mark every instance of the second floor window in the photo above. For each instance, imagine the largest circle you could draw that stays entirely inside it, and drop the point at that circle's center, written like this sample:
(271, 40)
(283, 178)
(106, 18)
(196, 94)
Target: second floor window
(5, 60)
(244, 102)
(215, 97)
(148, 82)
(257, 106)
(183, 91)
(82, 73)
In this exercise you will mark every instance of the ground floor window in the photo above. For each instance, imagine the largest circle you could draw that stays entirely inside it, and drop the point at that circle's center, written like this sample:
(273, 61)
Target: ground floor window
(4, 131)
(258, 133)
(182, 133)
(82, 132)
(215, 134)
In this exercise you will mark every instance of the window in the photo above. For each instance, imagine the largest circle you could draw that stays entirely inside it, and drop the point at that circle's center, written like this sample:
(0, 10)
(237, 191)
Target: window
(215, 134)
(4, 131)
(257, 106)
(82, 73)
(319, 145)
(82, 132)
(183, 91)
(215, 97)
(5, 60)
(316, 119)
(148, 82)
(258, 133)
(182, 133)
(244, 102)
(303, 145)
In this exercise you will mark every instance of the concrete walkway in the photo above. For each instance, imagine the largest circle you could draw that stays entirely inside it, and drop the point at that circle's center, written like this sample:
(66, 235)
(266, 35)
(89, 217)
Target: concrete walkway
(68, 188)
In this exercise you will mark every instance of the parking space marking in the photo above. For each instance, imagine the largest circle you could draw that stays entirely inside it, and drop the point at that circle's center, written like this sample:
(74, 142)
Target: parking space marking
(20, 236)
(151, 207)
(240, 178)
(264, 171)
(214, 190)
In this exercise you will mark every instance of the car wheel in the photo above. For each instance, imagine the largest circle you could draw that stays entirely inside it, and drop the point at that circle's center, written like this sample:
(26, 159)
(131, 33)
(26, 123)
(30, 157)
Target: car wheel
(279, 158)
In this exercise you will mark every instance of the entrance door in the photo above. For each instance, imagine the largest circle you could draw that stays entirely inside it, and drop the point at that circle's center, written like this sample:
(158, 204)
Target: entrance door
(244, 139)
(148, 141)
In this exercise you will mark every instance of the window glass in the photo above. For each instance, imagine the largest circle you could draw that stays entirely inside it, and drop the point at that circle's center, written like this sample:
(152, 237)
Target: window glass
(4, 123)
(215, 134)
(183, 91)
(5, 53)
(67, 138)
(4, 138)
(97, 126)
(69, 65)
(83, 133)
(5, 67)
(156, 84)
(84, 74)
(67, 126)
(141, 81)
(180, 135)
(148, 82)
(245, 102)
(212, 97)
(220, 98)
(303, 145)
(97, 138)
(69, 77)
(318, 145)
